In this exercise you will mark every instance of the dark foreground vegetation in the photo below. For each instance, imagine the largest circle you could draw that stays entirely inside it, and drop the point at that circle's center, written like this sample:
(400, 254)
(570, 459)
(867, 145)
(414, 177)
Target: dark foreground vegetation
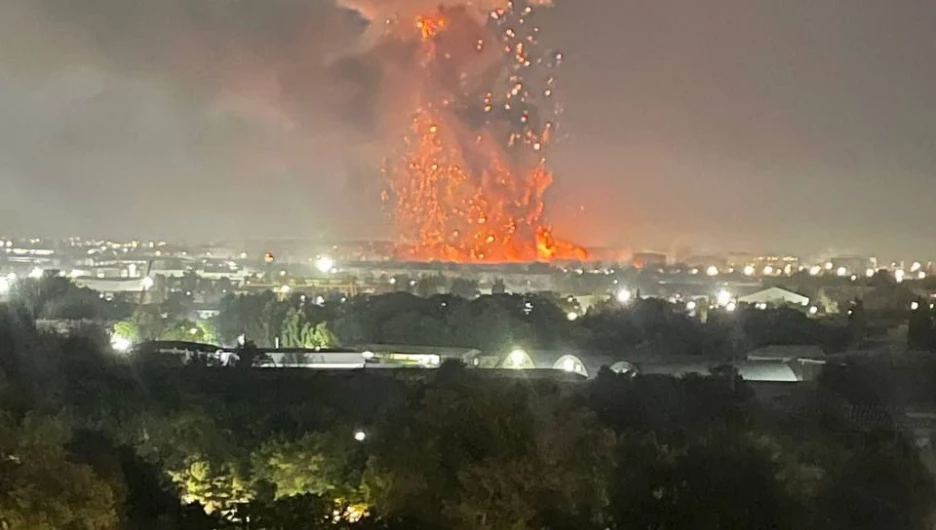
(89, 440)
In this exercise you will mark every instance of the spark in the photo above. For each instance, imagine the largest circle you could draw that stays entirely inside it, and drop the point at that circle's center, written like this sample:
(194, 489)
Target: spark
(462, 190)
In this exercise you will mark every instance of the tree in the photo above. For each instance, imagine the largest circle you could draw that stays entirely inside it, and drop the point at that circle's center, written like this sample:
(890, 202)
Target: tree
(216, 486)
(327, 463)
(430, 285)
(469, 453)
(40, 489)
(299, 332)
(670, 486)
(464, 288)
(188, 330)
(247, 315)
(58, 298)
(920, 329)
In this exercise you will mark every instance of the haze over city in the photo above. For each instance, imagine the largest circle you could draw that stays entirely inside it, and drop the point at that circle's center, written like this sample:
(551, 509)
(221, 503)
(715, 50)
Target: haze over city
(756, 125)
(467, 264)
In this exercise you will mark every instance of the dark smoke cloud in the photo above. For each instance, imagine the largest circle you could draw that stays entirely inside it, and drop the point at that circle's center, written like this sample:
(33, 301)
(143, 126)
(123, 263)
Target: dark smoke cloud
(184, 118)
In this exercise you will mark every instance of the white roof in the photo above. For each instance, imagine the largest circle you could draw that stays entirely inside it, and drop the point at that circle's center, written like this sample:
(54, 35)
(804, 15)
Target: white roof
(775, 295)
(782, 352)
(111, 285)
(777, 372)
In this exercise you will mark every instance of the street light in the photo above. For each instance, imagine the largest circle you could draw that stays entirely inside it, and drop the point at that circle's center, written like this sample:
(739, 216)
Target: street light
(723, 298)
(120, 344)
(624, 295)
(360, 435)
(324, 264)
(517, 358)
(572, 316)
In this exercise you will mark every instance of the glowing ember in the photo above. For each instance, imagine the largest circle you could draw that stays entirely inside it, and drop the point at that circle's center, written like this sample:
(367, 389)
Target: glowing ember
(470, 181)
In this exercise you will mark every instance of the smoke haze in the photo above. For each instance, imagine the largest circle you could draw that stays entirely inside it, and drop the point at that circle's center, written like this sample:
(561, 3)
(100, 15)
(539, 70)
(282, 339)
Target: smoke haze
(748, 124)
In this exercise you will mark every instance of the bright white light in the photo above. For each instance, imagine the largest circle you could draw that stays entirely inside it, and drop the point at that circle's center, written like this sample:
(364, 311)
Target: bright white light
(572, 316)
(731, 306)
(193, 331)
(147, 283)
(768, 270)
(392, 281)
(284, 289)
(841, 271)
(828, 266)
(516, 358)
(624, 296)
(711, 270)
(325, 264)
(360, 435)
(568, 365)
(869, 273)
(916, 266)
(788, 269)
(723, 298)
(815, 270)
(914, 305)
(36, 273)
(691, 305)
(120, 344)
(899, 275)
(368, 355)
(4, 285)
(319, 300)
(760, 305)
(242, 339)
(921, 275)
(813, 310)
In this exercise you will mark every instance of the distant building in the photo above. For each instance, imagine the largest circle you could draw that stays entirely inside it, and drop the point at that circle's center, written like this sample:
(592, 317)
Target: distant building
(648, 259)
(112, 285)
(850, 264)
(774, 296)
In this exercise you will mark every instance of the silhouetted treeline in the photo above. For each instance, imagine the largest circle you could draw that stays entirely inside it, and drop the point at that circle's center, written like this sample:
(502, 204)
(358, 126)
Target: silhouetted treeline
(91, 440)
(497, 323)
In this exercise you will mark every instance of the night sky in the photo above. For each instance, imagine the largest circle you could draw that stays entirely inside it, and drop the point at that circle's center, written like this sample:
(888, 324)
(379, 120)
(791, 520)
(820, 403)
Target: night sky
(796, 125)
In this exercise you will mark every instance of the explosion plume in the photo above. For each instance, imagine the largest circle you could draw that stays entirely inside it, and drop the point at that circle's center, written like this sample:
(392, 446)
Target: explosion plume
(469, 179)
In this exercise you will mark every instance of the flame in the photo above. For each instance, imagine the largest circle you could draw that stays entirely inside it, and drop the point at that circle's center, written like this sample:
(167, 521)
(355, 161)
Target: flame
(430, 26)
(460, 191)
